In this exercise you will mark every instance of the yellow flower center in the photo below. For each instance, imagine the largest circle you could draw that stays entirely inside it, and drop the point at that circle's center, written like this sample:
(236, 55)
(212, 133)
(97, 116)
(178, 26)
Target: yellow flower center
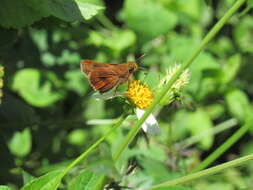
(139, 94)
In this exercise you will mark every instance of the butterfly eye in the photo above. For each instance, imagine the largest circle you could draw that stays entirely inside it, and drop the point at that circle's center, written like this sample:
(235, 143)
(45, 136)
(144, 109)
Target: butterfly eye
(131, 69)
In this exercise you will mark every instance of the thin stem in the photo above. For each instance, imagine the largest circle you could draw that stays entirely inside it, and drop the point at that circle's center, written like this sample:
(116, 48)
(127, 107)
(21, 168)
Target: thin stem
(206, 172)
(105, 21)
(213, 131)
(166, 88)
(225, 146)
(87, 152)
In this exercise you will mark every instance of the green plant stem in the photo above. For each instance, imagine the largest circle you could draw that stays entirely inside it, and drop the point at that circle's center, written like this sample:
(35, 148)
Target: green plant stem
(206, 172)
(225, 146)
(166, 88)
(106, 22)
(213, 131)
(87, 152)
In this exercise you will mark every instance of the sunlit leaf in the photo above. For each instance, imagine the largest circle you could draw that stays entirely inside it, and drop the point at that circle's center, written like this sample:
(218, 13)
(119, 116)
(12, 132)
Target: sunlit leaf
(73, 10)
(86, 180)
(27, 83)
(231, 68)
(49, 181)
(238, 104)
(17, 14)
(243, 34)
(3, 187)
(77, 137)
(20, 144)
(148, 19)
(199, 121)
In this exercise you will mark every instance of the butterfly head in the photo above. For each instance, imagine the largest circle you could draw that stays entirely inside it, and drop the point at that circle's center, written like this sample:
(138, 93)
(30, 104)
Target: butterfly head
(132, 66)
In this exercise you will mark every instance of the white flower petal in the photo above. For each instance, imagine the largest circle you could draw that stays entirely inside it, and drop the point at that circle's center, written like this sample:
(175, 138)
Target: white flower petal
(150, 125)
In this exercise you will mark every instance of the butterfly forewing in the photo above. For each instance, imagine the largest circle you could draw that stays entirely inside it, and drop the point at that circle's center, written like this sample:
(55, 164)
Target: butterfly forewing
(104, 76)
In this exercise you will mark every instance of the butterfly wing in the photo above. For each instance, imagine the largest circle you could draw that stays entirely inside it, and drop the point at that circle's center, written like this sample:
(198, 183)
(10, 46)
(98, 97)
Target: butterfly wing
(103, 80)
(87, 66)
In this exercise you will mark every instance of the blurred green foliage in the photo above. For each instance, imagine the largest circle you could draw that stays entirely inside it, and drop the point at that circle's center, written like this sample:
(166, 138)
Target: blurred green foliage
(47, 103)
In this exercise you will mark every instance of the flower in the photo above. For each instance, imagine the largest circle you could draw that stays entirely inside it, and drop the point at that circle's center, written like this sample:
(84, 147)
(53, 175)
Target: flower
(175, 92)
(181, 81)
(150, 125)
(139, 94)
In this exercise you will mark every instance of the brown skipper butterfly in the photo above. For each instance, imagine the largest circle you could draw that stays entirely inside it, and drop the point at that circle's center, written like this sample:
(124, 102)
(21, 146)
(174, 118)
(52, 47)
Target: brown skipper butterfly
(104, 76)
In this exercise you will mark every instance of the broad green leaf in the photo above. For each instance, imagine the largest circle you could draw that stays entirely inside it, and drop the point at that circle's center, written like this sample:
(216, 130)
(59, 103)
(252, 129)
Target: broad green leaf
(148, 18)
(198, 122)
(40, 38)
(104, 164)
(215, 110)
(27, 83)
(222, 47)
(238, 104)
(193, 8)
(73, 10)
(156, 170)
(250, 3)
(94, 109)
(88, 10)
(76, 81)
(179, 124)
(17, 14)
(26, 177)
(77, 137)
(20, 144)
(116, 42)
(85, 181)
(243, 34)
(231, 68)
(3, 187)
(49, 181)
(68, 57)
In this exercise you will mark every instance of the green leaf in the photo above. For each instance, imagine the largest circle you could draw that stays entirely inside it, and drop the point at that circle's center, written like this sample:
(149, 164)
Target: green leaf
(49, 181)
(156, 170)
(238, 104)
(148, 18)
(243, 34)
(85, 181)
(73, 10)
(116, 42)
(20, 144)
(250, 3)
(94, 109)
(17, 14)
(27, 83)
(215, 111)
(3, 187)
(77, 137)
(104, 164)
(198, 122)
(88, 10)
(231, 68)
(76, 81)
(193, 8)
(26, 177)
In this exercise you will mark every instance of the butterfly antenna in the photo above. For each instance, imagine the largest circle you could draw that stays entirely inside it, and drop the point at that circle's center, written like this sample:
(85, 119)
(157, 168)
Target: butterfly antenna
(143, 55)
